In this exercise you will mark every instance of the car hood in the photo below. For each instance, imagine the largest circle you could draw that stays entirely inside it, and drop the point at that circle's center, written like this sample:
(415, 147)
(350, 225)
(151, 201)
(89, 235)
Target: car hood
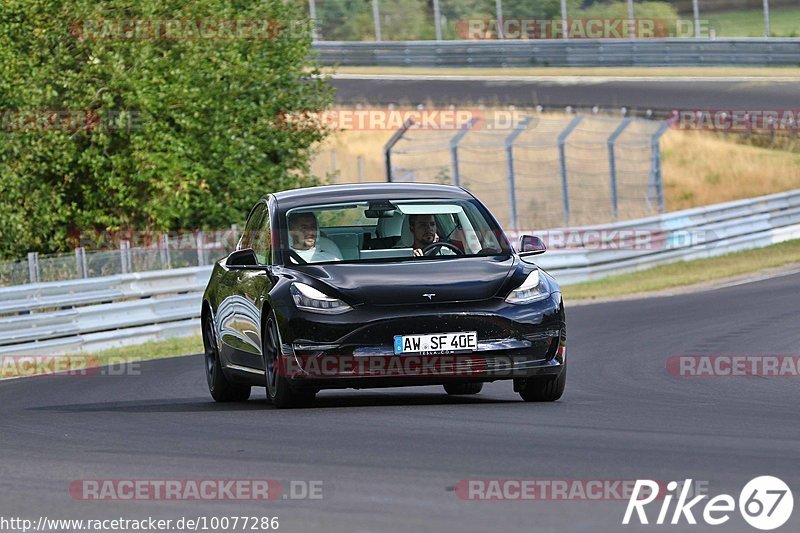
(448, 280)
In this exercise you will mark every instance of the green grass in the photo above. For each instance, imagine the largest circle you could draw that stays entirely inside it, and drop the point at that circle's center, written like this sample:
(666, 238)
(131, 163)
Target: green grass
(114, 356)
(151, 350)
(784, 22)
(687, 272)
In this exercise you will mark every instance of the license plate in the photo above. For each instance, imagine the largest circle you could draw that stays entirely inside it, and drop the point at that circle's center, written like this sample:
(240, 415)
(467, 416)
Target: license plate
(436, 343)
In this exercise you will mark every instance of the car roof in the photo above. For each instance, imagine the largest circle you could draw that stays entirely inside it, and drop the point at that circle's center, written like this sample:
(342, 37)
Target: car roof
(367, 191)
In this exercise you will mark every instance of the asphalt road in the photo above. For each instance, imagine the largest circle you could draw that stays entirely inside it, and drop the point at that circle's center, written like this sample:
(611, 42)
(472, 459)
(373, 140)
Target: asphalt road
(389, 459)
(638, 93)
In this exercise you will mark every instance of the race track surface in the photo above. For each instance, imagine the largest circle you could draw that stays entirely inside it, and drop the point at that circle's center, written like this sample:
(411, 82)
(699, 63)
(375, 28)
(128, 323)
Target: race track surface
(389, 459)
(662, 94)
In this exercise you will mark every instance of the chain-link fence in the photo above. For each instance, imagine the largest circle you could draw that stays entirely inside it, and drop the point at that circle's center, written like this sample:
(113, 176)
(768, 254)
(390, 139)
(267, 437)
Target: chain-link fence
(166, 252)
(542, 171)
(409, 20)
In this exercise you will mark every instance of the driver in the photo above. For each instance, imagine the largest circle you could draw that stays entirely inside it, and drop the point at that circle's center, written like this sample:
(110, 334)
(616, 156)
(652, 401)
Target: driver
(423, 228)
(306, 241)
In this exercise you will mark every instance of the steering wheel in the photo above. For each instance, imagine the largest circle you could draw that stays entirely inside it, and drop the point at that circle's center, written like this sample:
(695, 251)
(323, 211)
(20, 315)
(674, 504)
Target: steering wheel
(428, 250)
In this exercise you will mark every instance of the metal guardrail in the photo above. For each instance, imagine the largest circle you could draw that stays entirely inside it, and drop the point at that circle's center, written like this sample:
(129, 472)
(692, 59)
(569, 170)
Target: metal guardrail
(563, 53)
(91, 314)
(678, 236)
(97, 313)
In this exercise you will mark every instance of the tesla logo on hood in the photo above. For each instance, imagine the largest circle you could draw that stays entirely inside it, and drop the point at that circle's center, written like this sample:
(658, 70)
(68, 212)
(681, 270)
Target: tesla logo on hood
(429, 296)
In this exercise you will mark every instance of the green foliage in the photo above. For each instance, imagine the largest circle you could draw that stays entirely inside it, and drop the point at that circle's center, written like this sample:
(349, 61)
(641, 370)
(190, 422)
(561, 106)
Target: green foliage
(188, 135)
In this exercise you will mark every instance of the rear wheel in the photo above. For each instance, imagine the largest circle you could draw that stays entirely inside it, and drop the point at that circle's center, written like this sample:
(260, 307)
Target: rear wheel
(463, 388)
(544, 389)
(279, 390)
(220, 388)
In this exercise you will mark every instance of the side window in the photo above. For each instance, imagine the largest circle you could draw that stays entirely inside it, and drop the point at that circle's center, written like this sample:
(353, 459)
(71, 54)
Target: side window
(248, 238)
(262, 239)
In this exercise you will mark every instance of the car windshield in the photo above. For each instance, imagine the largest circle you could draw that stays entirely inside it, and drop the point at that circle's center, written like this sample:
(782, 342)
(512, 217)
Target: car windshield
(391, 230)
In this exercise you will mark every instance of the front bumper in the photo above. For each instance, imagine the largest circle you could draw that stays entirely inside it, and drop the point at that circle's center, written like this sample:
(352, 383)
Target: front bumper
(355, 349)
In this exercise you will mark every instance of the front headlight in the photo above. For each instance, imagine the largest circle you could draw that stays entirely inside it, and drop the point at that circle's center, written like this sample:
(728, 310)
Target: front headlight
(532, 289)
(308, 298)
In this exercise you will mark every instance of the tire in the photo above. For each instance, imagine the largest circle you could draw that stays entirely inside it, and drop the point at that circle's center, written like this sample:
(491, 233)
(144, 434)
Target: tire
(546, 389)
(463, 388)
(220, 388)
(279, 390)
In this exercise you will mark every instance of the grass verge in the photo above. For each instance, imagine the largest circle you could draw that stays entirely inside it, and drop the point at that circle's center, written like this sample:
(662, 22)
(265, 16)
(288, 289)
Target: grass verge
(17, 366)
(687, 272)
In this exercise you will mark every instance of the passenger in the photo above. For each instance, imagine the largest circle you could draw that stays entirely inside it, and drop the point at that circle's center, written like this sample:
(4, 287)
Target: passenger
(306, 241)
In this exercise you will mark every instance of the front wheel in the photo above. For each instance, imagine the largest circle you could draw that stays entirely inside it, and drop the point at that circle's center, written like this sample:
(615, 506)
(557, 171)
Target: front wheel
(543, 389)
(220, 388)
(279, 390)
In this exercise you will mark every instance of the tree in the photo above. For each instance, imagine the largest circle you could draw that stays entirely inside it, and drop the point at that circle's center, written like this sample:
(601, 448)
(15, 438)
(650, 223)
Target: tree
(171, 132)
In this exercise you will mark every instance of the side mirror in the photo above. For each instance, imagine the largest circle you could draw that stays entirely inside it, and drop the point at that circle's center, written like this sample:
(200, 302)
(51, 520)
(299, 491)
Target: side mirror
(532, 245)
(242, 259)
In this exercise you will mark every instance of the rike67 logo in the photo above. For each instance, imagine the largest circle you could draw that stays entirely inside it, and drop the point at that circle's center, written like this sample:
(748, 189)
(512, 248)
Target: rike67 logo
(765, 503)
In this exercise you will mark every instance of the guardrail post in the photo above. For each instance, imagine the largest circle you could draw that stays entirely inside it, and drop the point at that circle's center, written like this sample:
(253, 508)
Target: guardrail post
(512, 187)
(33, 267)
(454, 149)
(387, 149)
(612, 166)
(767, 29)
(562, 159)
(656, 186)
(80, 262)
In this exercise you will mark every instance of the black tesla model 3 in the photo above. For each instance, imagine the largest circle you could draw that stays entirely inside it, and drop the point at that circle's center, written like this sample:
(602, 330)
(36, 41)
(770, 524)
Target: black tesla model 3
(380, 285)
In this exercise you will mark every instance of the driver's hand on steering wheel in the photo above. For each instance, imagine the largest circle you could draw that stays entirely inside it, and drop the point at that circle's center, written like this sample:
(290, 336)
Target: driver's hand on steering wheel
(418, 252)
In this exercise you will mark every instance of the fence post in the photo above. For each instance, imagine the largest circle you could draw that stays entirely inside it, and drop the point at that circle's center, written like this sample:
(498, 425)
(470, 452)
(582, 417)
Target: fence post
(376, 19)
(656, 178)
(612, 166)
(124, 255)
(498, 6)
(200, 239)
(437, 20)
(166, 260)
(454, 149)
(564, 22)
(361, 169)
(33, 267)
(80, 262)
(767, 29)
(234, 238)
(562, 158)
(312, 14)
(696, 13)
(387, 149)
(512, 184)
(631, 21)
(333, 162)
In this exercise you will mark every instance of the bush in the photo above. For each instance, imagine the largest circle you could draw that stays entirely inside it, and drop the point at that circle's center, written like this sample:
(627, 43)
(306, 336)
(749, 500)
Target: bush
(187, 136)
